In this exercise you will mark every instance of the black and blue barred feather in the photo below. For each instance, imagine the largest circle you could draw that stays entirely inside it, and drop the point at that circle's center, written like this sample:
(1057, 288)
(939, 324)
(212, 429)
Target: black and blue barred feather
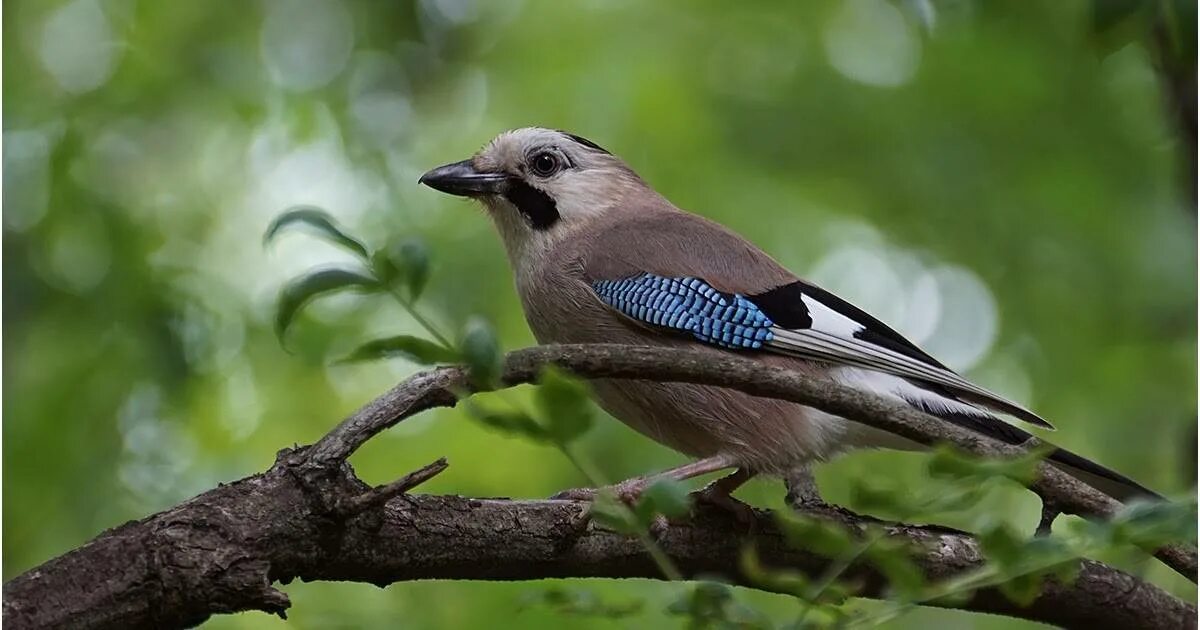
(692, 305)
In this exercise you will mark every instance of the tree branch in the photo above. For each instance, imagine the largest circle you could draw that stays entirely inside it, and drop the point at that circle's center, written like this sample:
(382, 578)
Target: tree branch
(712, 367)
(309, 517)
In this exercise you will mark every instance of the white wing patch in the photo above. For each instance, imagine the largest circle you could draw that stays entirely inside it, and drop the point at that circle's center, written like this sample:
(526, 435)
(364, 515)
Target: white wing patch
(896, 388)
(828, 320)
(849, 351)
(835, 336)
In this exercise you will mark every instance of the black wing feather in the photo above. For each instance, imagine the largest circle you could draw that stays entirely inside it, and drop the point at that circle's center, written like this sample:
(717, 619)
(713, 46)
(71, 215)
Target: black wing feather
(874, 331)
(1119, 487)
(867, 343)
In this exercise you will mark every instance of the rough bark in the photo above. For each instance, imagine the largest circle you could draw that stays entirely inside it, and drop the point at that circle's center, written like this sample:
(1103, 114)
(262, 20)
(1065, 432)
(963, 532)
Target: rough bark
(309, 517)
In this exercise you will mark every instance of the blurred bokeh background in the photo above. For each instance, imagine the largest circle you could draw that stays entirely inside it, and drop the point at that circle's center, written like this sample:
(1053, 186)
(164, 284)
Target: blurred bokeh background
(1006, 183)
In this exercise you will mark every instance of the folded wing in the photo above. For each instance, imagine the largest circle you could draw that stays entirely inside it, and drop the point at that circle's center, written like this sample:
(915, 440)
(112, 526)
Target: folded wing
(801, 320)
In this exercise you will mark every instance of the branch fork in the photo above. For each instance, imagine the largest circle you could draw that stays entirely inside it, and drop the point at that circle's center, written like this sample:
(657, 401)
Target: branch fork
(379, 495)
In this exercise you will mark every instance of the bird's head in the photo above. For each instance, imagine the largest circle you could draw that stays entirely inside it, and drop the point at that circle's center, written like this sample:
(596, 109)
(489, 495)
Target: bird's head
(539, 184)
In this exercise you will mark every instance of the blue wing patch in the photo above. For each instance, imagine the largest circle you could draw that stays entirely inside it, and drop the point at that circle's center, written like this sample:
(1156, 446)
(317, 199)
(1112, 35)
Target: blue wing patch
(689, 304)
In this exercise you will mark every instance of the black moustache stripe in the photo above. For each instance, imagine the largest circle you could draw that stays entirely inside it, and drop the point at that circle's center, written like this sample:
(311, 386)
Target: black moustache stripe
(538, 207)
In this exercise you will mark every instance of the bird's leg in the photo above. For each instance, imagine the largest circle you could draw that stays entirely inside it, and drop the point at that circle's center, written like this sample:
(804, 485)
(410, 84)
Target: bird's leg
(802, 488)
(803, 496)
(719, 494)
(1050, 512)
(629, 490)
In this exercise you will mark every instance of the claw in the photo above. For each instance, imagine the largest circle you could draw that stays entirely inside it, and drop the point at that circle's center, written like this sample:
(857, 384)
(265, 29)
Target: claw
(579, 524)
(659, 527)
(628, 492)
(742, 512)
(718, 494)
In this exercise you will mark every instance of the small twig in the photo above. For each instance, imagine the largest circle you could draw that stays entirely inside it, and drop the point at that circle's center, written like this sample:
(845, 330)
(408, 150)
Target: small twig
(412, 311)
(382, 494)
(1046, 520)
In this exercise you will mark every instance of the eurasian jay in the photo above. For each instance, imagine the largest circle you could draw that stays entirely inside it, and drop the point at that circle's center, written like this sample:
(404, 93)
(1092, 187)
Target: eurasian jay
(600, 257)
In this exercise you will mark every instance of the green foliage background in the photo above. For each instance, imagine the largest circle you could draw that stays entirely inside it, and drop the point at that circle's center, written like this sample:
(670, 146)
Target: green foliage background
(942, 164)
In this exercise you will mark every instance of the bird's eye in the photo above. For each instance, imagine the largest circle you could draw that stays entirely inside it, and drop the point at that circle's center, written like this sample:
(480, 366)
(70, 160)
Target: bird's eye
(544, 164)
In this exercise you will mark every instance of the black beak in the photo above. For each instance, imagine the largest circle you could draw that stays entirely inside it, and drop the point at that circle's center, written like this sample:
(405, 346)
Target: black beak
(461, 178)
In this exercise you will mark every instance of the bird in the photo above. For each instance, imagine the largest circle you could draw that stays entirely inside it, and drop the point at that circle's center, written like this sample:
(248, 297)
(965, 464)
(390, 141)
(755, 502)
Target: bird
(598, 256)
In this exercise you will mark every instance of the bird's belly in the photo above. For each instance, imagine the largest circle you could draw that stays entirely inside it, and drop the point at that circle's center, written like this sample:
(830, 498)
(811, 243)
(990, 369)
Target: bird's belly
(760, 433)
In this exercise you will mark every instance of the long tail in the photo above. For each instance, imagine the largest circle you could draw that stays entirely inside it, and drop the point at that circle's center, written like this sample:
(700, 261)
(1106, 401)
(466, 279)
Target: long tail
(1104, 479)
(943, 404)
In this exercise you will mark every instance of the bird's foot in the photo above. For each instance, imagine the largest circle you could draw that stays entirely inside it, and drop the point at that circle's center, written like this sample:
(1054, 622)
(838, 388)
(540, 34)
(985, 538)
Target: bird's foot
(802, 489)
(631, 490)
(718, 495)
(803, 496)
(627, 492)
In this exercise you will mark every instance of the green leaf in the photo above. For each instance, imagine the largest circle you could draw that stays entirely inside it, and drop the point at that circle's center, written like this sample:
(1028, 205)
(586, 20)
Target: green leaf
(949, 463)
(481, 352)
(782, 580)
(1022, 589)
(1066, 572)
(946, 462)
(953, 497)
(1023, 564)
(1152, 524)
(299, 292)
(865, 495)
(894, 559)
(1002, 545)
(320, 223)
(953, 599)
(403, 264)
(409, 347)
(583, 603)
(817, 535)
(1093, 532)
(897, 500)
(711, 605)
(665, 496)
(609, 512)
(706, 601)
(564, 404)
(510, 422)
(826, 615)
